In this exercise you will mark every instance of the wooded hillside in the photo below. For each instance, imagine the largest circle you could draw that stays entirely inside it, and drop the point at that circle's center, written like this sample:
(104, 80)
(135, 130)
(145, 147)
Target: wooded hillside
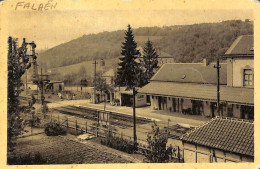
(186, 43)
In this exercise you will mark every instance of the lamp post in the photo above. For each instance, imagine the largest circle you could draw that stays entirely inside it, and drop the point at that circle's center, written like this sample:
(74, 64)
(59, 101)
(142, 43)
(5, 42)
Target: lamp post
(102, 63)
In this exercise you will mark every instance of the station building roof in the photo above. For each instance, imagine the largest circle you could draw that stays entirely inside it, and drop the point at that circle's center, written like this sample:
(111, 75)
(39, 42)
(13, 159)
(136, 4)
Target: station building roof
(200, 92)
(191, 73)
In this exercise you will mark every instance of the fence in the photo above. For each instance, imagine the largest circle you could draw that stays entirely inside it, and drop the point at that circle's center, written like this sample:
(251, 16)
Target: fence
(97, 130)
(100, 131)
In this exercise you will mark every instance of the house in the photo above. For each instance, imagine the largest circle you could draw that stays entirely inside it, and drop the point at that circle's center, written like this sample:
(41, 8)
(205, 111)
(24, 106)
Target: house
(110, 81)
(163, 57)
(109, 77)
(240, 61)
(55, 86)
(240, 72)
(220, 140)
(192, 87)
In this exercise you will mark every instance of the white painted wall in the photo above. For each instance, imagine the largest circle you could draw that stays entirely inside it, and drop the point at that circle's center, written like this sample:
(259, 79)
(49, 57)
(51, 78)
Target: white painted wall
(238, 65)
(204, 155)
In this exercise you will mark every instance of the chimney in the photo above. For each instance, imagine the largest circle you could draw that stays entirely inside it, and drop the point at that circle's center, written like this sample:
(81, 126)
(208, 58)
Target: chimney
(205, 61)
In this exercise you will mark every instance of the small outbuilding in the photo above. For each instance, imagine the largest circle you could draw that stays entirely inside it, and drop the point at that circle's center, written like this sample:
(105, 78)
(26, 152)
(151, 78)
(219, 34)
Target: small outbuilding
(55, 86)
(126, 97)
(220, 140)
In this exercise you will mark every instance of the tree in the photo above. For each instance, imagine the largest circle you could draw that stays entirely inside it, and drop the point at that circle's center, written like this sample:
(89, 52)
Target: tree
(18, 62)
(128, 67)
(127, 73)
(101, 84)
(157, 141)
(82, 72)
(150, 60)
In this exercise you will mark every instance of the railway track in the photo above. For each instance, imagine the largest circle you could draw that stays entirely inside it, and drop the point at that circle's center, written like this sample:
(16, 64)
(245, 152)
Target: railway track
(116, 119)
(92, 114)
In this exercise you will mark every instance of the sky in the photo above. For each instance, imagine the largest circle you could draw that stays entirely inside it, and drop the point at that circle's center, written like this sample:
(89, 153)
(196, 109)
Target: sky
(52, 28)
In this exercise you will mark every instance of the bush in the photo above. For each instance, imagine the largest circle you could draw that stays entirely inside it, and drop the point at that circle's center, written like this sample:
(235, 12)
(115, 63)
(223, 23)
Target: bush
(54, 129)
(157, 141)
(118, 143)
(26, 159)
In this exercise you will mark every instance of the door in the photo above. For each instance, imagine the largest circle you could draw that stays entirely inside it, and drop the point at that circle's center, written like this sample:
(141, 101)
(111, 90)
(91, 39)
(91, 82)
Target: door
(197, 107)
(213, 108)
(148, 99)
(159, 102)
(60, 87)
(174, 104)
(247, 112)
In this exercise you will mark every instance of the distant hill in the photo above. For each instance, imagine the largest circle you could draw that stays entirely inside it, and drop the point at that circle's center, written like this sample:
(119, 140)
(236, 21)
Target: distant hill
(186, 43)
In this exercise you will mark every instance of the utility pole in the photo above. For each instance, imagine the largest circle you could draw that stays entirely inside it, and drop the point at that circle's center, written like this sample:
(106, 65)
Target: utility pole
(42, 96)
(26, 82)
(218, 92)
(95, 69)
(134, 116)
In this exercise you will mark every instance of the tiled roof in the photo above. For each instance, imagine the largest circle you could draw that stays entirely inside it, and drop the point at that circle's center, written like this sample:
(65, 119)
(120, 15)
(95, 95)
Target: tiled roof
(200, 91)
(191, 73)
(242, 46)
(227, 134)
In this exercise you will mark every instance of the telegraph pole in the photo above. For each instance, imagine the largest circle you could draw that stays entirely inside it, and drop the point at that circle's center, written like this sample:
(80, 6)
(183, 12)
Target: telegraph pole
(26, 88)
(95, 69)
(134, 116)
(42, 96)
(218, 92)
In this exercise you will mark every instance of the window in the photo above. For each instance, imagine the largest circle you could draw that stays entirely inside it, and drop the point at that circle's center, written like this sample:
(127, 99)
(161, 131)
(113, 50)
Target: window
(248, 77)
(140, 97)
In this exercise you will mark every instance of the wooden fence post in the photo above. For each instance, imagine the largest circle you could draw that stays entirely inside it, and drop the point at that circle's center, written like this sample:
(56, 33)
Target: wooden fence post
(97, 130)
(67, 122)
(178, 154)
(76, 125)
(86, 127)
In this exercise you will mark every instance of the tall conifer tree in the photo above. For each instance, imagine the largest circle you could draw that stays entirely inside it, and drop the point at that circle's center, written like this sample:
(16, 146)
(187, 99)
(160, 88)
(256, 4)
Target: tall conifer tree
(150, 60)
(128, 67)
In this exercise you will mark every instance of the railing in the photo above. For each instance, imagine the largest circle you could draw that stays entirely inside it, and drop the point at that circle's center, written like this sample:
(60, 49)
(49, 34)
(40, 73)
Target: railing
(100, 131)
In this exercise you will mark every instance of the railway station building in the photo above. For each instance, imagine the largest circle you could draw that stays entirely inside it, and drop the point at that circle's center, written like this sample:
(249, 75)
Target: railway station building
(192, 87)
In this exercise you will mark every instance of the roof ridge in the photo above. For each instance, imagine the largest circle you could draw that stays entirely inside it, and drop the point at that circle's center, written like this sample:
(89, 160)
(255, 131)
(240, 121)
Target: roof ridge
(236, 119)
(198, 127)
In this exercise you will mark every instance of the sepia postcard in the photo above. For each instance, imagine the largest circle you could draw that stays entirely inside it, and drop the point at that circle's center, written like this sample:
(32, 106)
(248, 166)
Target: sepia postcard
(129, 84)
